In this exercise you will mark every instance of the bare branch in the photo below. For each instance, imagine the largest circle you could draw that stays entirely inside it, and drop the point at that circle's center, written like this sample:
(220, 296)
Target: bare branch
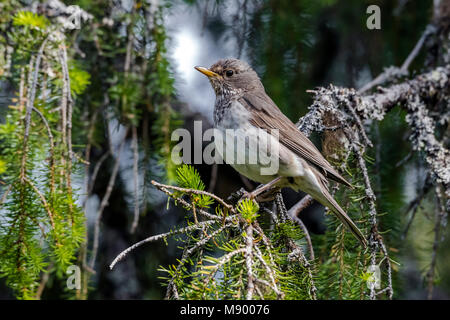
(32, 83)
(307, 236)
(96, 170)
(188, 205)
(305, 202)
(66, 109)
(395, 72)
(193, 191)
(105, 201)
(124, 253)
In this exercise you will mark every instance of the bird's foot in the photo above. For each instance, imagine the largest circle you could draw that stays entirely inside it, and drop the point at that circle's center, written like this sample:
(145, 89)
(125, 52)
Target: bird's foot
(268, 195)
(236, 196)
(263, 193)
(248, 195)
(258, 196)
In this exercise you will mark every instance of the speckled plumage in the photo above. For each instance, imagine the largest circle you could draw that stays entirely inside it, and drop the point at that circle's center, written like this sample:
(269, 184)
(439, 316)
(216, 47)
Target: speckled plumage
(242, 104)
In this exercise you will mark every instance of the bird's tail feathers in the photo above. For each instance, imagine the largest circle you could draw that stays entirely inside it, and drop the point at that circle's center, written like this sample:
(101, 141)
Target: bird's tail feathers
(340, 213)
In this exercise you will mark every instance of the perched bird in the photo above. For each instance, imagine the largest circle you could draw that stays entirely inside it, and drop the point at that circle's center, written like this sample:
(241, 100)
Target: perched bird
(243, 105)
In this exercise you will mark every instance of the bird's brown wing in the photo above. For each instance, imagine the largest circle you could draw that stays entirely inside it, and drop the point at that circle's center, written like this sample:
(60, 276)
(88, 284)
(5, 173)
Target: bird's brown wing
(266, 115)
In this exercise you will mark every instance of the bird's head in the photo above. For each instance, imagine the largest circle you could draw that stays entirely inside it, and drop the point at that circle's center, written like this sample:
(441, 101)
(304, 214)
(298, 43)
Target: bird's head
(230, 77)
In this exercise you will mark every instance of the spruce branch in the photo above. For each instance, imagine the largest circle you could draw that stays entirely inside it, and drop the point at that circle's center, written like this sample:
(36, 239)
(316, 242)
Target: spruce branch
(351, 110)
(52, 149)
(296, 253)
(293, 213)
(187, 253)
(270, 271)
(44, 201)
(223, 260)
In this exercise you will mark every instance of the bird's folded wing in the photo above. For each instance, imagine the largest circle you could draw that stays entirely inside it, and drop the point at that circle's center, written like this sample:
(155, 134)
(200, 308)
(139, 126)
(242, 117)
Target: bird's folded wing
(268, 116)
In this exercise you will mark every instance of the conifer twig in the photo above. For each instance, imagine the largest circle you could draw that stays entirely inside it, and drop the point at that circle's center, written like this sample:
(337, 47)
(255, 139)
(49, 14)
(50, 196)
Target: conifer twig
(44, 201)
(52, 149)
(281, 207)
(305, 202)
(5, 194)
(22, 89)
(307, 236)
(125, 252)
(293, 212)
(270, 272)
(226, 258)
(43, 283)
(96, 170)
(374, 239)
(296, 254)
(189, 252)
(208, 215)
(265, 240)
(197, 192)
(389, 288)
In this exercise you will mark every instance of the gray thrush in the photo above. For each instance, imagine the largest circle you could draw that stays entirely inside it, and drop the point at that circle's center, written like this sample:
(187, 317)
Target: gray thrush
(242, 104)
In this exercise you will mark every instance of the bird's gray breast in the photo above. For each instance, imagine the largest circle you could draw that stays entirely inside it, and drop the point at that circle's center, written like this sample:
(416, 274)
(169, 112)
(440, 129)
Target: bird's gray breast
(250, 150)
(238, 142)
(230, 114)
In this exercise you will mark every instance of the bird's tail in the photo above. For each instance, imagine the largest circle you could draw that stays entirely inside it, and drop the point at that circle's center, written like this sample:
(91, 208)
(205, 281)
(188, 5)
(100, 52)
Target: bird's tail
(340, 213)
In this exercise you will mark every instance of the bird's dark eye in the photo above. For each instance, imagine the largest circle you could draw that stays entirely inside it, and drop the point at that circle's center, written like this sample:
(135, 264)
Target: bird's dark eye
(229, 73)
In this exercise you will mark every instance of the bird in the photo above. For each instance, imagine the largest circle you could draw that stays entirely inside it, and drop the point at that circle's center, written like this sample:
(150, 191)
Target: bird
(243, 105)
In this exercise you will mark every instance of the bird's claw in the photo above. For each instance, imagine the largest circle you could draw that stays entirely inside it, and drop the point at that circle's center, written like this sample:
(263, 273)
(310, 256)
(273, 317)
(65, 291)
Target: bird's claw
(248, 195)
(258, 196)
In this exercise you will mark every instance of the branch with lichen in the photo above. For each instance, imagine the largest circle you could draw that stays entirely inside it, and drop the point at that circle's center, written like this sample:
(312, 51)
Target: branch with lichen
(249, 260)
(352, 110)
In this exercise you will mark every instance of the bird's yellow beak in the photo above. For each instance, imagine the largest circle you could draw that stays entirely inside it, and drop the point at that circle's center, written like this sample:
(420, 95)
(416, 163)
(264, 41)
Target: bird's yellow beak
(206, 72)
